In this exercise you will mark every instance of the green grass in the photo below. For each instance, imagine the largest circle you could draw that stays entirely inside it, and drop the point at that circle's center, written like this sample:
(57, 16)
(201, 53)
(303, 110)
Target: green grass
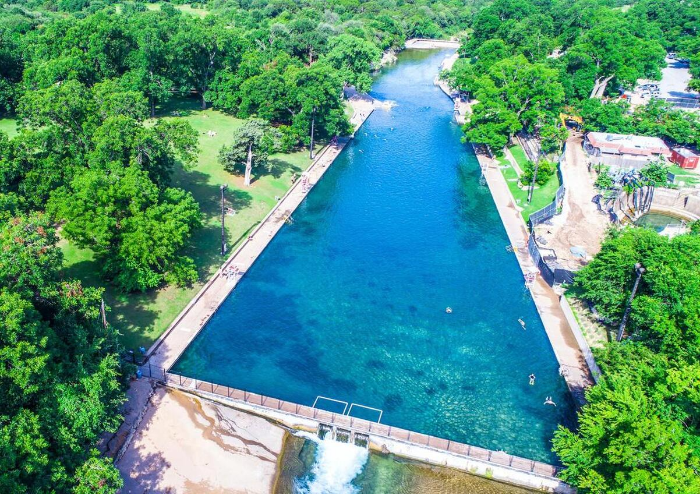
(519, 155)
(541, 196)
(141, 318)
(690, 177)
(8, 126)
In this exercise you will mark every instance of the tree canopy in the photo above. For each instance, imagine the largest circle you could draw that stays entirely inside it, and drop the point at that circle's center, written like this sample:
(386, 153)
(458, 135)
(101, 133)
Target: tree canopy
(640, 430)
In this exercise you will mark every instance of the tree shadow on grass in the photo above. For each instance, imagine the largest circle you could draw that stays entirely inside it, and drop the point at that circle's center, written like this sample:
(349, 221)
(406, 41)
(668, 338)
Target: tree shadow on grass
(179, 106)
(277, 167)
(133, 314)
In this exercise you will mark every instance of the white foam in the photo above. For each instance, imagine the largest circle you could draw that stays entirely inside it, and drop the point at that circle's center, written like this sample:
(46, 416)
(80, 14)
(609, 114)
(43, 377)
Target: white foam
(336, 465)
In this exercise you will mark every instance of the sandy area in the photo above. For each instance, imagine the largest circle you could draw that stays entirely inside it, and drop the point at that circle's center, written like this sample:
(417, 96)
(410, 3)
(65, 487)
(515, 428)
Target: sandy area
(581, 223)
(185, 444)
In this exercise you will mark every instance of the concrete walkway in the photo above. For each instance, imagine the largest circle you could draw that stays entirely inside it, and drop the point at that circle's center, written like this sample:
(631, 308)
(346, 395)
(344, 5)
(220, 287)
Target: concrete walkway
(165, 351)
(571, 361)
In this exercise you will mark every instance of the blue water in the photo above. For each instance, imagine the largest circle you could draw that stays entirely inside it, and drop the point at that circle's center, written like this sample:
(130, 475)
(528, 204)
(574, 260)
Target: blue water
(349, 301)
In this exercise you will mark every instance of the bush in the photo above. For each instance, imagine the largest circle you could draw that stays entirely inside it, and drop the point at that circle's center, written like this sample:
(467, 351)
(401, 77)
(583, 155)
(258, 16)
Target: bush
(604, 180)
(545, 170)
(655, 173)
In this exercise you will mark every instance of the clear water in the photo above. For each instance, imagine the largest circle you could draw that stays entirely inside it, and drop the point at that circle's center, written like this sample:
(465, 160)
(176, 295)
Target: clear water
(349, 301)
(658, 221)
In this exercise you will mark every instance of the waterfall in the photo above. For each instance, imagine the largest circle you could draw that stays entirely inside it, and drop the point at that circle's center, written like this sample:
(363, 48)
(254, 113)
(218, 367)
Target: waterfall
(334, 468)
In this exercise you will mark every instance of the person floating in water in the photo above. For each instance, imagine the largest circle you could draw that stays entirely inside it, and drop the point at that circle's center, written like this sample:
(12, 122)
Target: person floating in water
(549, 401)
(532, 379)
(522, 323)
(449, 310)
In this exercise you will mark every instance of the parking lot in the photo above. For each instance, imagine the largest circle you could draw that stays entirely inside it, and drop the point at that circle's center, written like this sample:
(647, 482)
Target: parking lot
(673, 84)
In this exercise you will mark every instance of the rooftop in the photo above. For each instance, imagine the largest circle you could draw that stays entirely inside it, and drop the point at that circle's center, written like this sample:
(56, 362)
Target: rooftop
(628, 144)
(686, 153)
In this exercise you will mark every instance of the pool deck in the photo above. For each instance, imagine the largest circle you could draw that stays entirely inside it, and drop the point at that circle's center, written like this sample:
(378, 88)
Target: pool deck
(571, 359)
(166, 350)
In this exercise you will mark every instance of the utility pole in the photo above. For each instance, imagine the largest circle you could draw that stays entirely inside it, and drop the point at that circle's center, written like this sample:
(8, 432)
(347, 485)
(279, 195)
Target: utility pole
(640, 271)
(223, 216)
(313, 120)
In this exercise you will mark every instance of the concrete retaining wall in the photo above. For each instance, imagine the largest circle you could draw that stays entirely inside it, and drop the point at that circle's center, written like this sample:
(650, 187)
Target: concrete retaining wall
(404, 449)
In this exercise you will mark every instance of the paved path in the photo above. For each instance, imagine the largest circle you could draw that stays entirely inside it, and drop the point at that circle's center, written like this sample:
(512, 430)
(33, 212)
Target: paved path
(581, 224)
(165, 351)
(563, 342)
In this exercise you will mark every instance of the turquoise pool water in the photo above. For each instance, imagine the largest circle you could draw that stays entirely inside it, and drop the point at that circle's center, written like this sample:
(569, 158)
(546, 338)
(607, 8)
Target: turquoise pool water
(349, 301)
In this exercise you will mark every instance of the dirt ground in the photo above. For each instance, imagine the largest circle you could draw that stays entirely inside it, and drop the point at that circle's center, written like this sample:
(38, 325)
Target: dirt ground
(581, 223)
(185, 445)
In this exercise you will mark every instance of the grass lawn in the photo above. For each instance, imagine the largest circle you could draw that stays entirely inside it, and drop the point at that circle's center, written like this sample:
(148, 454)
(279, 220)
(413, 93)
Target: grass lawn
(8, 126)
(519, 155)
(689, 177)
(141, 318)
(541, 196)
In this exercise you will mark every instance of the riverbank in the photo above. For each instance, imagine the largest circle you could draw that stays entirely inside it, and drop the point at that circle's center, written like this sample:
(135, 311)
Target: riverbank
(566, 349)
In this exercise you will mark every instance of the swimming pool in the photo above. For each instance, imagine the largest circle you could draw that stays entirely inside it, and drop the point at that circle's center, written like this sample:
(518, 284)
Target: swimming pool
(349, 302)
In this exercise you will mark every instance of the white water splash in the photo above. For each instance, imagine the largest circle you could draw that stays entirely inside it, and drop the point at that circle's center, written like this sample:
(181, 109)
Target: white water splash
(336, 465)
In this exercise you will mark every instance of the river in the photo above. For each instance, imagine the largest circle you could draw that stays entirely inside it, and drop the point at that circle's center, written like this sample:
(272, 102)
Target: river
(349, 302)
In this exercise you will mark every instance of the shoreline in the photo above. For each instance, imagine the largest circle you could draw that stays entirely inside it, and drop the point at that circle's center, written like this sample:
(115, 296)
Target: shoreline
(165, 351)
(573, 367)
(569, 355)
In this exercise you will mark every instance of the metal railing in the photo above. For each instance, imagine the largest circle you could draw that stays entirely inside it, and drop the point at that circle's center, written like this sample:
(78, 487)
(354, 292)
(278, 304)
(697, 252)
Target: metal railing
(345, 421)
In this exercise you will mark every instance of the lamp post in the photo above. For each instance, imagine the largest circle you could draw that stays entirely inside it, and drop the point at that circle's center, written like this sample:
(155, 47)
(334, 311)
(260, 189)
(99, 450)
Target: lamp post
(639, 269)
(223, 215)
(313, 121)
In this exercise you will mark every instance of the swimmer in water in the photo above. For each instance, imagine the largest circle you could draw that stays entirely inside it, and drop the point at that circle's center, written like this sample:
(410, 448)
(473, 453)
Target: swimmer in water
(522, 323)
(449, 310)
(532, 379)
(549, 401)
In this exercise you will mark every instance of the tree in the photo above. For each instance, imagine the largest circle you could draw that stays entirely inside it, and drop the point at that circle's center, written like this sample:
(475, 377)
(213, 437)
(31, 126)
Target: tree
(627, 442)
(552, 137)
(59, 376)
(200, 50)
(655, 173)
(135, 228)
(545, 171)
(354, 58)
(251, 144)
(97, 476)
(638, 430)
(491, 126)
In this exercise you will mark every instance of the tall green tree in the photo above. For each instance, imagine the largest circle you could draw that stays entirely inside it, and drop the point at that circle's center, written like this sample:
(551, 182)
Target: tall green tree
(251, 145)
(354, 59)
(59, 375)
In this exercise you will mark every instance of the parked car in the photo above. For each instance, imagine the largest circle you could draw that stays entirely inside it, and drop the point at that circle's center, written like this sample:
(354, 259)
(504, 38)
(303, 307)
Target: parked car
(683, 61)
(671, 55)
(649, 87)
